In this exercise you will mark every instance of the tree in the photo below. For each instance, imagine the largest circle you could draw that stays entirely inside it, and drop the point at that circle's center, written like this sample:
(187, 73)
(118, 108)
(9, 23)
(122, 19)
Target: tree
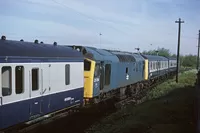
(160, 51)
(189, 61)
(174, 55)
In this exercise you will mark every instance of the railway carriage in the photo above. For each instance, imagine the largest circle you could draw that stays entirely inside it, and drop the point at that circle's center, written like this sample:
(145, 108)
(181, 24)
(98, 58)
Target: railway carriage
(37, 79)
(157, 65)
(172, 64)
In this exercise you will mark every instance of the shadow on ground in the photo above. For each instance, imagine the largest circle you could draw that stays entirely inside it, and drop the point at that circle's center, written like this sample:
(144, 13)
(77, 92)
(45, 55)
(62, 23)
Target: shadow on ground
(172, 113)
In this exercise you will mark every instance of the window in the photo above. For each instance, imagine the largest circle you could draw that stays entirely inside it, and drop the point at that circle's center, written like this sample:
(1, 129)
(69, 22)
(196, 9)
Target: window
(107, 74)
(158, 64)
(87, 65)
(67, 74)
(19, 79)
(97, 70)
(127, 70)
(6, 80)
(35, 79)
(151, 66)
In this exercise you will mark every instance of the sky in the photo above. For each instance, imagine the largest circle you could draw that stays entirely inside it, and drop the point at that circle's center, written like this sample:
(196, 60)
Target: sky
(123, 24)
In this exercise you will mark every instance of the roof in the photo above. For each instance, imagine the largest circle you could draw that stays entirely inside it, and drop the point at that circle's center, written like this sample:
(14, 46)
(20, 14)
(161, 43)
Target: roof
(172, 58)
(155, 57)
(28, 49)
(138, 57)
(96, 54)
(109, 55)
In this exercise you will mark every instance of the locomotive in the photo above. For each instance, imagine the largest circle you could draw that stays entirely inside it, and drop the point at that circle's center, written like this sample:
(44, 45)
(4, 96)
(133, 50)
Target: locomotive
(37, 79)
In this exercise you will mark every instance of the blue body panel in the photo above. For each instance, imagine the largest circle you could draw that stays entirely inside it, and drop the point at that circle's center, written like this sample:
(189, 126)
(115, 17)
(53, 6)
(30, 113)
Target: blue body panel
(14, 113)
(119, 62)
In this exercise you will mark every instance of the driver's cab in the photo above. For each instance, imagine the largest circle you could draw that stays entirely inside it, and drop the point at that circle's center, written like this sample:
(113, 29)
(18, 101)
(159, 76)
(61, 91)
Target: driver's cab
(92, 70)
(92, 77)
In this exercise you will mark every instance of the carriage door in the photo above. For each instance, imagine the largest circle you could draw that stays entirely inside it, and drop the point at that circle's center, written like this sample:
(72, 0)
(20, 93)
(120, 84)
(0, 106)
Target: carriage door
(35, 89)
(101, 75)
(46, 88)
(107, 75)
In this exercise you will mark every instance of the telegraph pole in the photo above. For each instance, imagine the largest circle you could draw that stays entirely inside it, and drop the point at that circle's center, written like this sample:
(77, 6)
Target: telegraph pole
(178, 49)
(198, 51)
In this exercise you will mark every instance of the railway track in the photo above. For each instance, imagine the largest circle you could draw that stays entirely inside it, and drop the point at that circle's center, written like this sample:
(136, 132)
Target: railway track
(93, 113)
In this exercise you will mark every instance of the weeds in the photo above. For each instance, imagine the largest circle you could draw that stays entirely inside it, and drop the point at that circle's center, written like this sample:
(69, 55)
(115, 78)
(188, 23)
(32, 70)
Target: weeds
(187, 78)
(170, 111)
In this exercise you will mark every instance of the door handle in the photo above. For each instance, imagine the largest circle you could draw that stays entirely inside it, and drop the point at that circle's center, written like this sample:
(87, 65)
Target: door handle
(44, 91)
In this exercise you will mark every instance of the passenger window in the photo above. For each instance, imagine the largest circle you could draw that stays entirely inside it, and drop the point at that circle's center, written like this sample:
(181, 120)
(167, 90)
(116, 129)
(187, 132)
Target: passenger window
(6, 73)
(19, 79)
(35, 79)
(107, 74)
(156, 65)
(87, 65)
(67, 74)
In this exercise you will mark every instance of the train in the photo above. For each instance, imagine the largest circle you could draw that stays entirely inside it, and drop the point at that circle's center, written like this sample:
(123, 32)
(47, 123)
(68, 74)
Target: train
(37, 79)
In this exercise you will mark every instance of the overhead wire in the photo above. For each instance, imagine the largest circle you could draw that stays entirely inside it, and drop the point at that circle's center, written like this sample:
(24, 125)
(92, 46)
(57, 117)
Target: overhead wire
(80, 13)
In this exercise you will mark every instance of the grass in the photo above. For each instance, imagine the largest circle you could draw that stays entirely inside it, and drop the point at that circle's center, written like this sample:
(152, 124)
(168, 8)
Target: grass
(168, 111)
(185, 79)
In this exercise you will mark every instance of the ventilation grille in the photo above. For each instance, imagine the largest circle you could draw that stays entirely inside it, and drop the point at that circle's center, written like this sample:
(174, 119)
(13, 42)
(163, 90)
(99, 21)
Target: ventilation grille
(125, 58)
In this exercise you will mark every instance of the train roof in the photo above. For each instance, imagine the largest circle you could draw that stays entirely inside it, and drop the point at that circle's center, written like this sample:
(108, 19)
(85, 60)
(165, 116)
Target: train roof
(94, 53)
(109, 55)
(127, 56)
(29, 49)
(138, 56)
(172, 58)
(155, 57)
